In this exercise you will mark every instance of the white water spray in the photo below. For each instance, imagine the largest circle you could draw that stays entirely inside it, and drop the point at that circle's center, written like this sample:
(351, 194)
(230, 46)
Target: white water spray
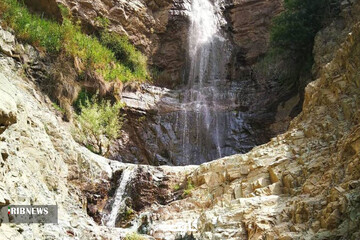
(127, 174)
(208, 56)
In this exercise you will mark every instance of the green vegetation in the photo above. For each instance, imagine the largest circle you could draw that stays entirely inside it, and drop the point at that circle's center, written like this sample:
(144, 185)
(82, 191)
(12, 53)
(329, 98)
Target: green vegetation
(102, 22)
(290, 57)
(91, 54)
(176, 187)
(189, 187)
(58, 108)
(126, 53)
(99, 120)
(128, 213)
(294, 30)
(134, 236)
(31, 28)
(81, 100)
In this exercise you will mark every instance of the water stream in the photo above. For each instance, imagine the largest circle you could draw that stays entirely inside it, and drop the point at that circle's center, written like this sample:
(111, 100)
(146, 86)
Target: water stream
(206, 117)
(208, 55)
(126, 176)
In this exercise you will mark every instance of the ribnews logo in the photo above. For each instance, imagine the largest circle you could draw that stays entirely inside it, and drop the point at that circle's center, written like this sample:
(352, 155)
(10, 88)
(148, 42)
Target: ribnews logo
(29, 214)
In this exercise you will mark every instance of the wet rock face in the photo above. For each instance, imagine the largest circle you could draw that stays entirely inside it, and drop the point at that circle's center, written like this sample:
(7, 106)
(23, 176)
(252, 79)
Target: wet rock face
(154, 133)
(149, 187)
(96, 196)
(249, 111)
(160, 29)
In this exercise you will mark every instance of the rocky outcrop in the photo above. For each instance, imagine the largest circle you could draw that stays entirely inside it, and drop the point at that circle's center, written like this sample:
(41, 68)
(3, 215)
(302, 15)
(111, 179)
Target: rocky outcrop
(137, 19)
(48, 7)
(303, 184)
(250, 23)
(157, 28)
(169, 52)
(261, 107)
(40, 162)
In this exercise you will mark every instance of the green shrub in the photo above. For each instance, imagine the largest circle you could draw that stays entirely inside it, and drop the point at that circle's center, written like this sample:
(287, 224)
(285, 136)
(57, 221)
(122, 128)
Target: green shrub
(31, 28)
(128, 213)
(134, 236)
(189, 187)
(294, 30)
(92, 55)
(102, 22)
(126, 53)
(81, 100)
(99, 120)
(58, 108)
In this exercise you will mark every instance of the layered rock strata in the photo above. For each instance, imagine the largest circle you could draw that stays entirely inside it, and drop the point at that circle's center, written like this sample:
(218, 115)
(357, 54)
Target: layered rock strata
(303, 184)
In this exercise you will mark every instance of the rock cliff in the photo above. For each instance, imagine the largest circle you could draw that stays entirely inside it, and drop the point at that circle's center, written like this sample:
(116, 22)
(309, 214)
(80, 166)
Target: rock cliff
(38, 158)
(303, 184)
(259, 107)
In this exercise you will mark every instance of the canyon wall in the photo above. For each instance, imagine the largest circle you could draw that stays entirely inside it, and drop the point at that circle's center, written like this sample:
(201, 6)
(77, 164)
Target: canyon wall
(303, 184)
(256, 107)
(40, 162)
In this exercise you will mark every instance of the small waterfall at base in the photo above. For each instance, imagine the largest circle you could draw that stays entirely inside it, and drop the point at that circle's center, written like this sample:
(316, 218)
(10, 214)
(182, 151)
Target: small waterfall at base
(209, 52)
(126, 176)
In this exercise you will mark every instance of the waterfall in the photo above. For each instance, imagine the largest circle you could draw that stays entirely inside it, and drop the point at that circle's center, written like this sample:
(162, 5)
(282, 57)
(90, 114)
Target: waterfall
(110, 219)
(208, 55)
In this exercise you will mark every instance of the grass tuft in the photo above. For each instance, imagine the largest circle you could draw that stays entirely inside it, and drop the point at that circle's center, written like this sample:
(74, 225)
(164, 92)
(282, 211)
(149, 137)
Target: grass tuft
(134, 236)
(189, 188)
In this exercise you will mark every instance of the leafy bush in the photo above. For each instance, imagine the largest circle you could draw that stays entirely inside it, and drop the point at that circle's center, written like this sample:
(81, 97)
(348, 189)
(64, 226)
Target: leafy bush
(294, 30)
(189, 187)
(99, 120)
(81, 100)
(134, 236)
(91, 54)
(31, 28)
(129, 212)
(126, 53)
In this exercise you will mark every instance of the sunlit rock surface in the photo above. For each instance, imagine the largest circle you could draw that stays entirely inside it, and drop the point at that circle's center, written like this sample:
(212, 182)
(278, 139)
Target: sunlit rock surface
(303, 184)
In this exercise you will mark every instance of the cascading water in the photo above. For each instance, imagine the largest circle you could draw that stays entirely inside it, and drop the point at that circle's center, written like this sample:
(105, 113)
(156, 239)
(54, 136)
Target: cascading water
(110, 219)
(207, 117)
(209, 53)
